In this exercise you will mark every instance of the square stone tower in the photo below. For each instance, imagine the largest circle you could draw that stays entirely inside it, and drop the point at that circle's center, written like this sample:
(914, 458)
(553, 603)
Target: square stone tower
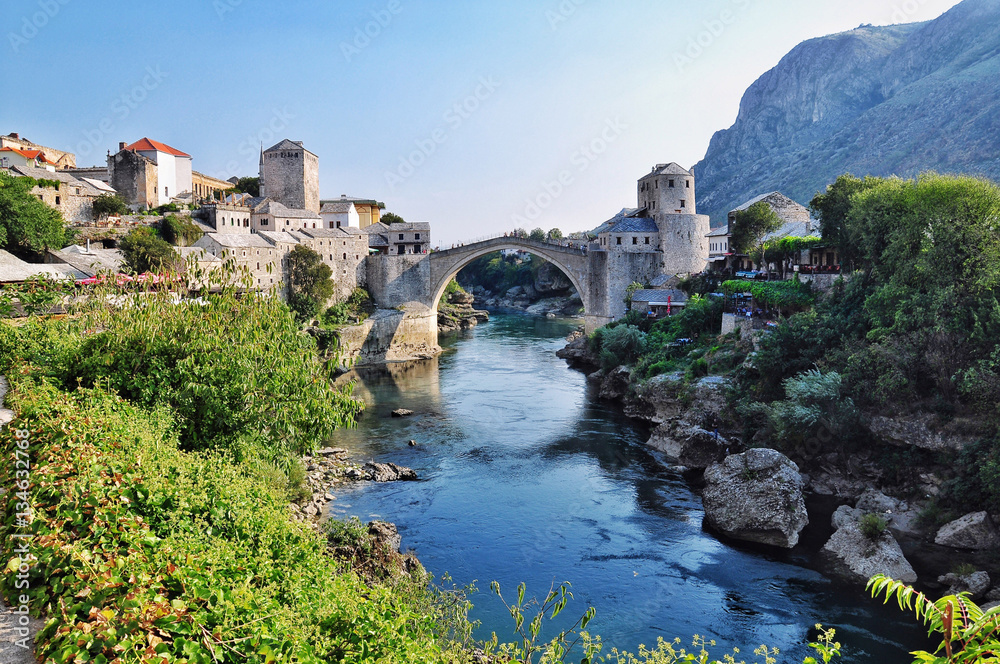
(667, 194)
(289, 174)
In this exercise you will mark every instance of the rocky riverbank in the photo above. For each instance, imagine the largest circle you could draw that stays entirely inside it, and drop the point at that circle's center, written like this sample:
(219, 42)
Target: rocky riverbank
(762, 499)
(456, 313)
(549, 293)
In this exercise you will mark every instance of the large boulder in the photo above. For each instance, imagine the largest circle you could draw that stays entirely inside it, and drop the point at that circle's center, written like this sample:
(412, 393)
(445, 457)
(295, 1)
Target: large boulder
(689, 446)
(973, 531)
(615, 383)
(916, 431)
(855, 557)
(756, 497)
(388, 472)
(976, 584)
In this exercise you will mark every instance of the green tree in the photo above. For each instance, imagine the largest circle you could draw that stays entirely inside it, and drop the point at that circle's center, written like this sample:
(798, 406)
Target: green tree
(391, 218)
(179, 231)
(247, 185)
(310, 283)
(555, 234)
(833, 206)
(27, 225)
(144, 251)
(751, 227)
(538, 235)
(630, 291)
(109, 204)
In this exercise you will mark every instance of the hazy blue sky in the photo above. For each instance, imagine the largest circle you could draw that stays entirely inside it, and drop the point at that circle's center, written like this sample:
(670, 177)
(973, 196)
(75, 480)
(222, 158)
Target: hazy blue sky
(458, 113)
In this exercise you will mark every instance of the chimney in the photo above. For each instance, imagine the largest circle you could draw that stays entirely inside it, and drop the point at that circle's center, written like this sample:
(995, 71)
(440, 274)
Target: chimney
(15, 135)
(343, 196)
(121, 146)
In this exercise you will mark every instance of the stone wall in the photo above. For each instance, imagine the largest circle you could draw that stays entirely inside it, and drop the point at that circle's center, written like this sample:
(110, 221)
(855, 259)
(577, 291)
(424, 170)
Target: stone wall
(683, 242)
(345, 254)
(134, 178)
(73, 208)
(227, 218)
(390, 336)
(397, 280)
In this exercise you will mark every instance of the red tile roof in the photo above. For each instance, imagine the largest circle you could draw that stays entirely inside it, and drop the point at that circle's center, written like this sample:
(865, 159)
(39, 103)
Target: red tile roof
(149, 145)
(29, 154)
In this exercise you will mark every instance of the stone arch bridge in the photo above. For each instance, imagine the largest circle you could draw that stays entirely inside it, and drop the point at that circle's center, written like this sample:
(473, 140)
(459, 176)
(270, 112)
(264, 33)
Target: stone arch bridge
(416, 283)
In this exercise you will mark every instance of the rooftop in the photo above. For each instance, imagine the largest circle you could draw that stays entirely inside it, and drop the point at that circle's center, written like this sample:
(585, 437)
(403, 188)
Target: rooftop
(29, 154)
(673, 168)
(14, 270)
(286, 145)
(149, 145)
(660, 296)
(276, 209)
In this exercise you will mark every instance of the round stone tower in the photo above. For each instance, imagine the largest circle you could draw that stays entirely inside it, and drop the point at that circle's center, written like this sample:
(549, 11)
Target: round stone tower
(667, 195)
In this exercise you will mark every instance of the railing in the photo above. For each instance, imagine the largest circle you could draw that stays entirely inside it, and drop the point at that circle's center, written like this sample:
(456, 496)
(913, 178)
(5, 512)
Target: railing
(506, 236)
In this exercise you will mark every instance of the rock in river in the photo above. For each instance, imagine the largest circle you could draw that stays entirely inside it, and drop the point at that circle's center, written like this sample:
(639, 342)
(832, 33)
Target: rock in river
(402, 412)
(973, 531)
(388, 472)
(756, 497)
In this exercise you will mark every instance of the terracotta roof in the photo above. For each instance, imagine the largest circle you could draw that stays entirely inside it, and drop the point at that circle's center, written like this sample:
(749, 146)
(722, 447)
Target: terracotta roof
(149, 145)
(28, 154)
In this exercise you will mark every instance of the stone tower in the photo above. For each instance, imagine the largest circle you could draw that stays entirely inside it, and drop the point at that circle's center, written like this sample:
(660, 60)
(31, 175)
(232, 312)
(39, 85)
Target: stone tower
(667, 195)
(289, 174)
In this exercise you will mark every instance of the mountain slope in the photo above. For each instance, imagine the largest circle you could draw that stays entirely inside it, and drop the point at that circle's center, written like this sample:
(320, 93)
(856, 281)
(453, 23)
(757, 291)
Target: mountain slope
(876, 100)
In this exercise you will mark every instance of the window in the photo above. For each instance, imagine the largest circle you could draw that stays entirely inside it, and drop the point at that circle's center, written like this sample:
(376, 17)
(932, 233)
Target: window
(670, 184)
(687, 183)
(401, 237)
(287, 222)
(263, 222)
(417, 236)
(647, 240)
(345, 257)
(635, 240)
(683, 203)
(166, 192)
(619, 241)
(57, 200)
(657, 184)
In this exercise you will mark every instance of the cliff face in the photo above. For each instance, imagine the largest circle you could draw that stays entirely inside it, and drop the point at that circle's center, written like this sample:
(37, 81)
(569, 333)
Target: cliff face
(876, 100)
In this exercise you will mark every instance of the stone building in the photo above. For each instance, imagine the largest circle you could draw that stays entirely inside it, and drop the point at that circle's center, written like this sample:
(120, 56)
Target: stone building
(667, 195)
(340, 214)
(207, 188)
(797, 222)
(344, 250)
(173, 168)
(135, 178)
(369, 212)
(227, 218)
(270, 215)
(289, 174)
(74, 199)
(261, 259)
(400, 239)
(58, 158)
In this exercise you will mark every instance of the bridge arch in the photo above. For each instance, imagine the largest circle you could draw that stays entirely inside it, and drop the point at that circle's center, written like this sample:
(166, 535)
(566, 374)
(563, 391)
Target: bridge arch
(445, 265)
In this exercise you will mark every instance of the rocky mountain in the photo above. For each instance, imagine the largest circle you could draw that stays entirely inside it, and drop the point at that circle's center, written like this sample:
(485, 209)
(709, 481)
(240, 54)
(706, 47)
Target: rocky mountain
(890, 100)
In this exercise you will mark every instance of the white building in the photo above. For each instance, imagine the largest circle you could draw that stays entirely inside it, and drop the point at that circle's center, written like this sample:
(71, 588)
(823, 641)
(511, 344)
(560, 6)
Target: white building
(10, 157)
(173, 168)
(340, 214)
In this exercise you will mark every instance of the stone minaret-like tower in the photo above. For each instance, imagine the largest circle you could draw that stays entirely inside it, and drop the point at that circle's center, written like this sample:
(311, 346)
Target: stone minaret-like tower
(667, 195)
(289, 174)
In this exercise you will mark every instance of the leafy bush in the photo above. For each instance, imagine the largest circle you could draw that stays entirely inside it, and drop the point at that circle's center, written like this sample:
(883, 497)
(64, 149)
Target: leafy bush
(145, 252)
(143, 552)
(781, 295)
(872, 526)
(109, 204)
(621, 345)
(180, 231)
(357, 308)
(815, 413)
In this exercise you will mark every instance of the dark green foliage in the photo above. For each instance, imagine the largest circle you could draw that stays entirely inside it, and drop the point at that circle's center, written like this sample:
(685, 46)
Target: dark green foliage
(976, 485)
(145, 251)
(833, 207)
(872, 526)
(310, 283)
(358, 307)
(498, 273)
(538, 235)
(27, 225)
(247, 185)
(391, 218)
(109, 204)
(780, 295)
(620, 345)
(555, 234)
(180, 231)
(751, 226)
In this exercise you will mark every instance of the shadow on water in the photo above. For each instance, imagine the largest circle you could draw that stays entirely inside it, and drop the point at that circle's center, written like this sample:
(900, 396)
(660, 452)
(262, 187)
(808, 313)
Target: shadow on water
(527, 476)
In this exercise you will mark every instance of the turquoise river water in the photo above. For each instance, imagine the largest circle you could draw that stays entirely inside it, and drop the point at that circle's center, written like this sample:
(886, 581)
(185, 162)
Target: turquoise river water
(527, 476)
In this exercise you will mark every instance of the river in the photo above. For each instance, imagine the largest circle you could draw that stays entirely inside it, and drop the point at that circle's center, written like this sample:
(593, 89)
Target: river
(527, 476)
